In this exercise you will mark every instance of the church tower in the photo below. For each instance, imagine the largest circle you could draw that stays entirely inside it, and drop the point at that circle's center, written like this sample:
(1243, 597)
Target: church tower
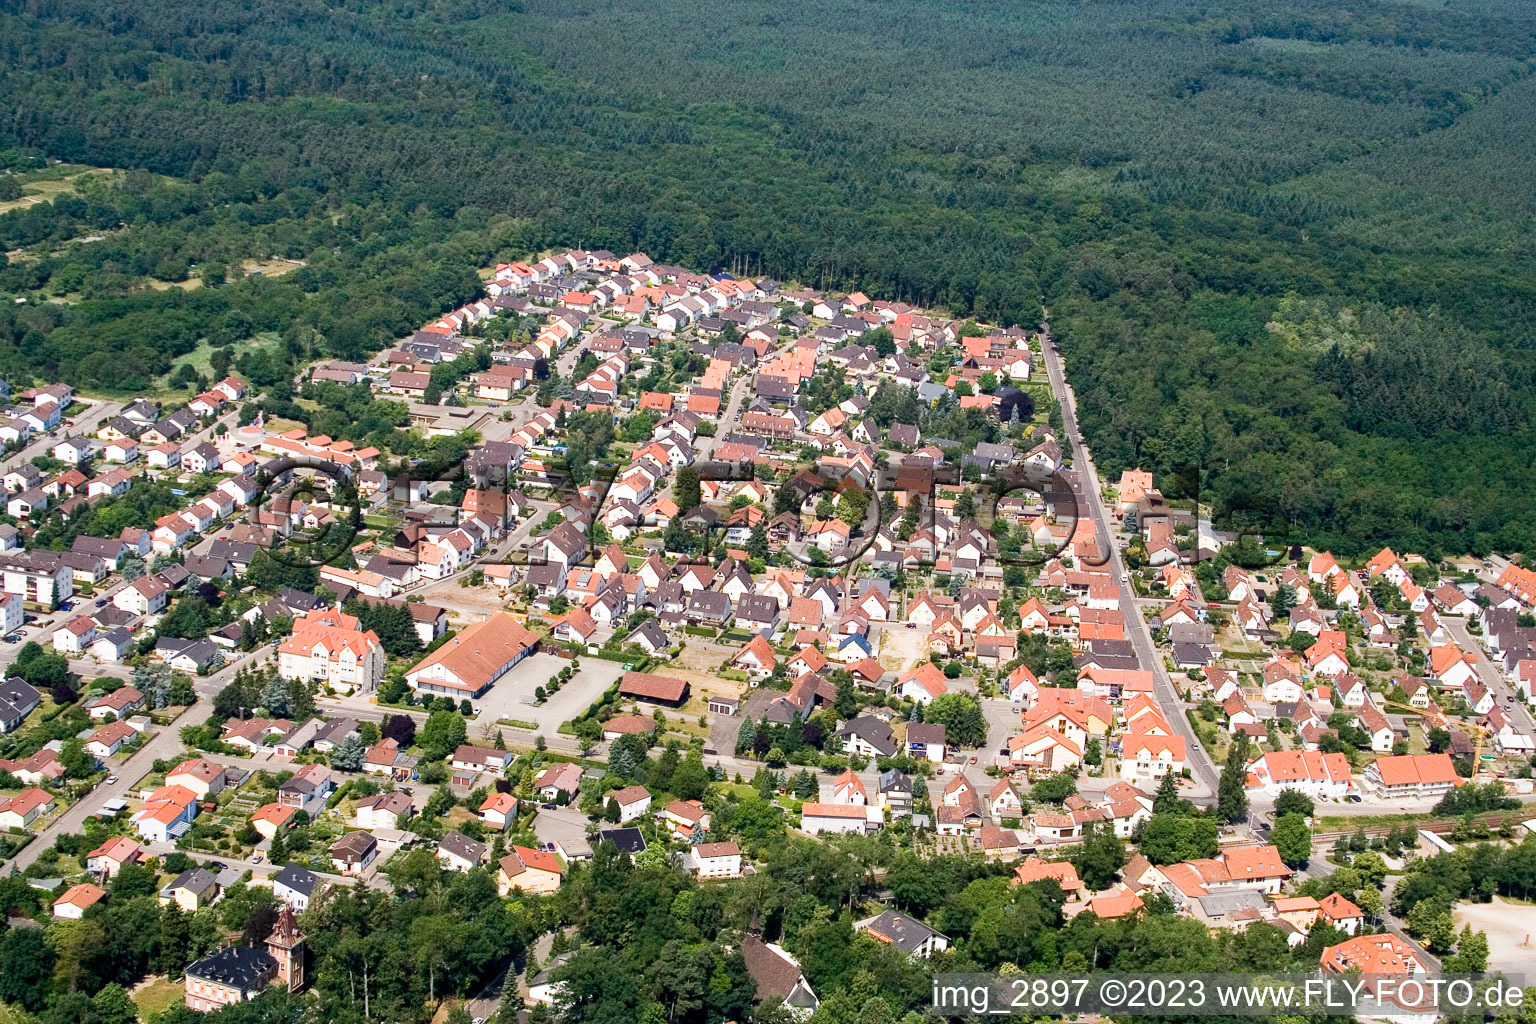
(286, 944)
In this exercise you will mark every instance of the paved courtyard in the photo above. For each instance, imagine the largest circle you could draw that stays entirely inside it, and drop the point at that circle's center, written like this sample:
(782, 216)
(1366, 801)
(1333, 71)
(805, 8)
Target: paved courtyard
(507, 698)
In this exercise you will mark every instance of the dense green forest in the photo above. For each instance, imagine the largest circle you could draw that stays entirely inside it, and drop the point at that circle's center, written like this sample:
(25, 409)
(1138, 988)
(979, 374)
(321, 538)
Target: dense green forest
(1286, 247)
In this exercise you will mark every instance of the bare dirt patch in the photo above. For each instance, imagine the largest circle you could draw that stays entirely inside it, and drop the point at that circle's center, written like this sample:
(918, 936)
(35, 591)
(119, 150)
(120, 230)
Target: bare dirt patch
(467, 603)
(696, 659)
(272, 267)
(1510, 927)
(902, 648)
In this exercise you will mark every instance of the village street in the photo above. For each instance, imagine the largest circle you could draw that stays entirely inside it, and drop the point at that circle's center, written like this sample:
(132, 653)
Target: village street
(1086, 487)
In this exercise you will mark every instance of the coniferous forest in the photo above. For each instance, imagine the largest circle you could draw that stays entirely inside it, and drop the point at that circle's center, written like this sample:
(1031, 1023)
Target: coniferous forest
(1287, 248)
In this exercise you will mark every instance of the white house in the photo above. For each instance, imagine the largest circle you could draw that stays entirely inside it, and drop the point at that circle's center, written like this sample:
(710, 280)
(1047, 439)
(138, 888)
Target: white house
(633, 801)
(715, 860)
(1318, 775)
(1147, 757)
(818, 818)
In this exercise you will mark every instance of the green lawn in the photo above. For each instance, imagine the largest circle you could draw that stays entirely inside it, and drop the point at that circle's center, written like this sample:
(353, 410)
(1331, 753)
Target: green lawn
(158, 996)
(199, 357)
(1349, 824)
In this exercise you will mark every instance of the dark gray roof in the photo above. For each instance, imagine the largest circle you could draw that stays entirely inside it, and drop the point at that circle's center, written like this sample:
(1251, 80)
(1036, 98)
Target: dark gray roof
(1112, 648)
(240, 552)
(545, 574)
(709, 603)
(543, 977)
(1221, 904)
(460, 845)
(118, 636)
(757, 607)
(353, 845)
(238, 967)
(650, 631)
(1191, 654)
(17, 697)
(300, 880)
(196, 880)
(200, 651)
(173, 575)
(925, 732)
(98, 546)
(1190, 633)
(207, 567)
(774, 387)
(904, 931)
(1107, 661)
(298, 600)
(872, 731)
(566, 539)
(629, 840)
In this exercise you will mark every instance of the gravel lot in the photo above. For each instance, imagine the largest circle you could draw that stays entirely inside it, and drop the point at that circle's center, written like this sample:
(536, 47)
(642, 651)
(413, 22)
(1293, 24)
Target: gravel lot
(1510, 927)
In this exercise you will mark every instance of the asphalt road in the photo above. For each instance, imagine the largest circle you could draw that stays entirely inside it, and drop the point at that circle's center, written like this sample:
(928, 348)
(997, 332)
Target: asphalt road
(1202, 769)
(1490, 676)
(165, 743)
(729, 416)
(86, 419)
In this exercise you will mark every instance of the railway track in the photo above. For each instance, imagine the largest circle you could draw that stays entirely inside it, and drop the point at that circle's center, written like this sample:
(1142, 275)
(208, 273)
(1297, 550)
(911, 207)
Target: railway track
(1493, 819)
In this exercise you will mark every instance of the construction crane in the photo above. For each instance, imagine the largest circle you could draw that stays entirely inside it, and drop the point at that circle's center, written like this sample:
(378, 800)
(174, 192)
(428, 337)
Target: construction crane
(1482, 731)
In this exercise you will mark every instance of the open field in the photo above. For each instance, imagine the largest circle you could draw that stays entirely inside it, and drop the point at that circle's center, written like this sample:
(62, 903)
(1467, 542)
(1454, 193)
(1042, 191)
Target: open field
(199, 357)
(190, 284)
(41, 186)
(464, 604)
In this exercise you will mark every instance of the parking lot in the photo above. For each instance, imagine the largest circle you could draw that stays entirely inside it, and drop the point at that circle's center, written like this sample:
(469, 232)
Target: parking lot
(506, 698)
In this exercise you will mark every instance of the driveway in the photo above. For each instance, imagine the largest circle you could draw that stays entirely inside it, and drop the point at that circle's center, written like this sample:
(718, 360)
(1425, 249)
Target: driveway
(1002, 722)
